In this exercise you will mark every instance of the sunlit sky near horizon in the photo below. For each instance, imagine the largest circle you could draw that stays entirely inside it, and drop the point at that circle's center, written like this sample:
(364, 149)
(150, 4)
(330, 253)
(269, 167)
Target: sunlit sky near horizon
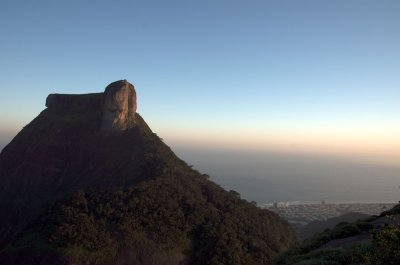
(300, 76)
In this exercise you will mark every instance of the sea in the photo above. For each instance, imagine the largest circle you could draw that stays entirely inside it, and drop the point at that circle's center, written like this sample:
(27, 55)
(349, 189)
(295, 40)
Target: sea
(270, 176)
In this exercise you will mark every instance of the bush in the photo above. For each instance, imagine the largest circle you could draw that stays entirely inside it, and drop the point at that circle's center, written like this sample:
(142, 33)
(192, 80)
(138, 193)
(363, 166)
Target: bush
(385, 247)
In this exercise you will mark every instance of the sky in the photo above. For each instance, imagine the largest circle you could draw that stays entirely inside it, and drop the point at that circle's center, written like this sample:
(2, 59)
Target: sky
(297, 76)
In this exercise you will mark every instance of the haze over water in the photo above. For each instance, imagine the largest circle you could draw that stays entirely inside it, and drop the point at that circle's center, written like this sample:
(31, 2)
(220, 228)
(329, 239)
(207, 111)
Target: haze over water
(272, 176)
(267, 177)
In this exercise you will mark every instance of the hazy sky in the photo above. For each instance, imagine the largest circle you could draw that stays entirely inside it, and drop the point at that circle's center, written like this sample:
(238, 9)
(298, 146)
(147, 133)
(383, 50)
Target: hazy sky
(284, 75)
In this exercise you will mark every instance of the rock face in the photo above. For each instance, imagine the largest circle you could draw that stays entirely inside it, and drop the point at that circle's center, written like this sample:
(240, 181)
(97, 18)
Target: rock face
(69, 101)
(119, 106)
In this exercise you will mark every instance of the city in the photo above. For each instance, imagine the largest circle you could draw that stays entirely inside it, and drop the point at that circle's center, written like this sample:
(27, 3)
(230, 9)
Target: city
(300, 214)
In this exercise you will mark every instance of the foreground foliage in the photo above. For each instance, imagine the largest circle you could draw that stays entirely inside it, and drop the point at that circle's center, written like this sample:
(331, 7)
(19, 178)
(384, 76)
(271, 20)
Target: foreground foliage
(164, 221)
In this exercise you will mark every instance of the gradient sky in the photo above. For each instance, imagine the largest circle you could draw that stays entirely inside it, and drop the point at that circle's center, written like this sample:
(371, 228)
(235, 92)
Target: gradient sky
(282, 75)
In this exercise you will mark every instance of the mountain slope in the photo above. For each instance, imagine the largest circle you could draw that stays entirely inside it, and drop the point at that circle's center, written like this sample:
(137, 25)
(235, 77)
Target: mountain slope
(64, 149)
(373, 241)
(88, 182)
(318, 226)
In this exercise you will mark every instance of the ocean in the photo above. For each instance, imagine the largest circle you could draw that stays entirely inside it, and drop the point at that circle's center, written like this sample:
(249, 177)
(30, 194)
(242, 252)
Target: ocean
(266, 177)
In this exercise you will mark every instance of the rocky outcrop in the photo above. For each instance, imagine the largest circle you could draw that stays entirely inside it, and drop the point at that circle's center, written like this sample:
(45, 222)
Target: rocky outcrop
(70, 101)
(119, 106)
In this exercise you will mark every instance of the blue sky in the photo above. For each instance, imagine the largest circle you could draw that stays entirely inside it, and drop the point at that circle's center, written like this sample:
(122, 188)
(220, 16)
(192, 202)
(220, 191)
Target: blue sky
(301, 75)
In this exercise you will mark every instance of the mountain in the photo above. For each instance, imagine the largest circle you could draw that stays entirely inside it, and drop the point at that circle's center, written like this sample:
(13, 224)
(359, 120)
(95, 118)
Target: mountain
(372, 241)
(88, 182)
(318, 226)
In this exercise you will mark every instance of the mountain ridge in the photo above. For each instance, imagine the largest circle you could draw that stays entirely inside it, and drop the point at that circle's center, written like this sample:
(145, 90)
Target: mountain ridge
(371, 241)
(95, 150)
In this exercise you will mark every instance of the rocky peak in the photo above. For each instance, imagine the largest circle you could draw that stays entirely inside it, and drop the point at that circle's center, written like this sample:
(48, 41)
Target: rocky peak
(119, 106)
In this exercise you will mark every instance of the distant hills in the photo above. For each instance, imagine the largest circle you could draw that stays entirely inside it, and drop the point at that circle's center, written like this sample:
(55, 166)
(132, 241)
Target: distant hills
(372, 241)
(88, 182)
(318, 226)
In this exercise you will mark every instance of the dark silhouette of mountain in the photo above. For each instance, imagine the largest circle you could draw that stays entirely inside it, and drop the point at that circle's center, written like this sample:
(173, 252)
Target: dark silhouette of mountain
(88, 182)
(318, 226)
(372, 241)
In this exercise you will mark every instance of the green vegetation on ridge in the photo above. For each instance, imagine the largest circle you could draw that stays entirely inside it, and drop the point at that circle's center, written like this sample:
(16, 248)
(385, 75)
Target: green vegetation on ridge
(374, 241)
(169, 218)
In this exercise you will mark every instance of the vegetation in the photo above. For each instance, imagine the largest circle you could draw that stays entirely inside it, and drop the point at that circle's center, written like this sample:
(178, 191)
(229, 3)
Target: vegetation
(385, 248)
(170, 218)
(378, 244)
(393, 211)
(121, 198)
